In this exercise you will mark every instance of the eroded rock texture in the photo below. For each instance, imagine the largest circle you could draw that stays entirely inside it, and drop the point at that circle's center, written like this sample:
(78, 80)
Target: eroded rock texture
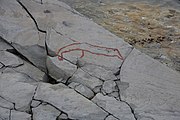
(56, 64)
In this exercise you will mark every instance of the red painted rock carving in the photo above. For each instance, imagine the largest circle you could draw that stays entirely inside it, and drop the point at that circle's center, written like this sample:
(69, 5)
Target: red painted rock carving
(89, 48)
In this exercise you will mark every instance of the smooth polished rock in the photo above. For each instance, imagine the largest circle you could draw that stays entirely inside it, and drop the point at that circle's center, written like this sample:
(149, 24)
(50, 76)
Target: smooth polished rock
(151, 88)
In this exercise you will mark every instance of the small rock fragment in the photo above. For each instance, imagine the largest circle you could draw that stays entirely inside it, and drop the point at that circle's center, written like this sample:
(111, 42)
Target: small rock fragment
(85, 79)
(63, 117)
(6, 104)
(17, 88)
(110, 117)
(4, 113)
(45, 112)
(61, 70)
(35, 103)
(16, 115)
(109, 86)
(117, 108)
(87, 92)
(8, 59)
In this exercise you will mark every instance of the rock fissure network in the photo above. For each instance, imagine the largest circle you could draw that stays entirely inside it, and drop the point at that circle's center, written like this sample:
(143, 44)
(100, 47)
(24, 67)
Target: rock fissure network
(56, 64)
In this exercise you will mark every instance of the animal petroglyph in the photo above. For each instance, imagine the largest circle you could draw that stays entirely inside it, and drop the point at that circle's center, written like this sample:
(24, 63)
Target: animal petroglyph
(89, 48)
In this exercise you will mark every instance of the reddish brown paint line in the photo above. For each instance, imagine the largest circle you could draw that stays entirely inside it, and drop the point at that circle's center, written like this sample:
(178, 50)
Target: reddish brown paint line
(83, 50)
(119, 56)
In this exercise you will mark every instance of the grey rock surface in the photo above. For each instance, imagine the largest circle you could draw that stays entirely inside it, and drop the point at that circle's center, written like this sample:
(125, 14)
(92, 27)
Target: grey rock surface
(118, 109)
(69, 101)
(5, 103)
(16, 115)
(4, 45)
(35, 54)
(9, 60)
(60, 70)
(45, 112)
(153, 88)
(110, 117)
(63, 117)
(85, 79)
(35, 103)
(85, 91)
(4, 113)
(15, 88)
(109, 87)
(56, 64)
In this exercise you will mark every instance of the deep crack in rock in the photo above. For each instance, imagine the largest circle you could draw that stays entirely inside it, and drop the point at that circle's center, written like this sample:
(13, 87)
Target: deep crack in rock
(35, 22)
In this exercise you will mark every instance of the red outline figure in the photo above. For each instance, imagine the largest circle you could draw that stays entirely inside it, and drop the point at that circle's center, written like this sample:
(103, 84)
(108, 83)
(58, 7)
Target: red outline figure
(61, 52)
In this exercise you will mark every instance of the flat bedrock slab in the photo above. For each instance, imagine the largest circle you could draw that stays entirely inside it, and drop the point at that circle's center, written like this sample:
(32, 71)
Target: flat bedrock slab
(85, 79)
(60, 70)
(17, 26)
(151, 88)
(118, 109)
(16, 115)
(9, 60)
(4, 113)
(70, 102)
(87, 92)
(18, 89)
(45, 112)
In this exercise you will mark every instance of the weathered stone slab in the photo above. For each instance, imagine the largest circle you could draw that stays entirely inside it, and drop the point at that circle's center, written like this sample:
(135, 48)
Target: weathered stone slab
(16, 115)
(45, 112)
(1, 65)
(118, 109)
(63, 117)
(84, 90)
(70, 102)
(17, 26)
(6, 104)
(153, 89)
(109, 87)
(100, 72)
(35, 103)
(110, 117)
(60, 71)
(34, 53)
(31, 71)
(9, 60)
(17, 89)
(4, 45)
(85, 79)
(4, 113)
